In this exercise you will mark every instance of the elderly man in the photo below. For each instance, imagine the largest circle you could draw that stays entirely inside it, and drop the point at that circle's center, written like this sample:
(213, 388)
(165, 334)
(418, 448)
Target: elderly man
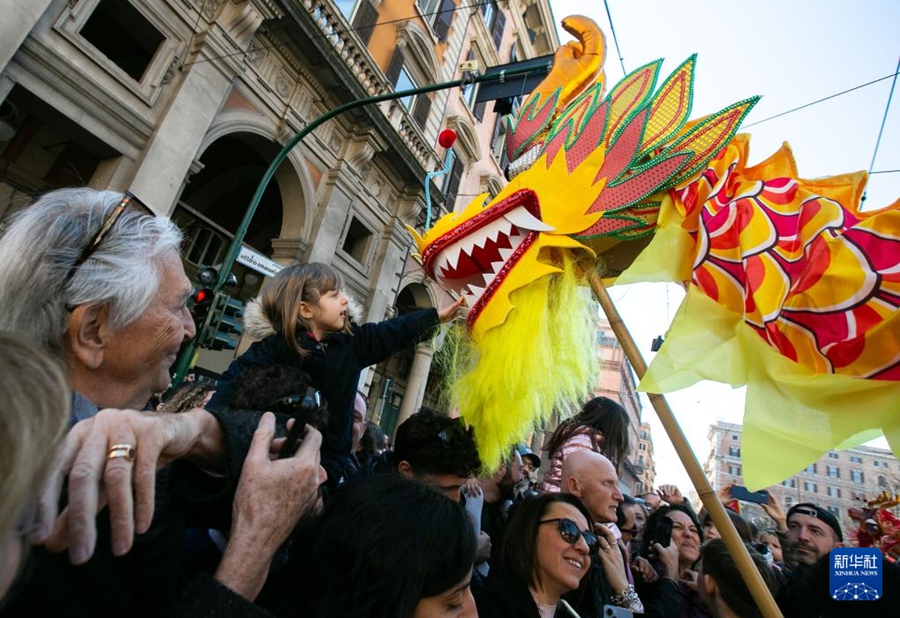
(96, 278)
(592, 477)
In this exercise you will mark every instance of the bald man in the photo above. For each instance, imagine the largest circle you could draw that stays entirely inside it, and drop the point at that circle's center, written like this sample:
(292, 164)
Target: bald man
(592, 478)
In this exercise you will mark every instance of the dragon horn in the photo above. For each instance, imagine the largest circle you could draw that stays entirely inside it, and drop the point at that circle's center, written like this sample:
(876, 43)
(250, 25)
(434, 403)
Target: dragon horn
(577, 64)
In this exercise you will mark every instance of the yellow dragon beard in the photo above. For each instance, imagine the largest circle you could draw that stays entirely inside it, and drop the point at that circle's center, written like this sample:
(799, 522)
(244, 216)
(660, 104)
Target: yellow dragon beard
(541, 355)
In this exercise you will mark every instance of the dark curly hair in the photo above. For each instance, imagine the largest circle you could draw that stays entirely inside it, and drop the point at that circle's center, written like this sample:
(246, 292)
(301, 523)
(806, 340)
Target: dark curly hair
(257, 388)
(434, 443)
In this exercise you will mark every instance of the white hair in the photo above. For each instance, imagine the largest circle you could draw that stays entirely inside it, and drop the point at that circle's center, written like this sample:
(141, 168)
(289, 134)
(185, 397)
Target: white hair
(42, 244)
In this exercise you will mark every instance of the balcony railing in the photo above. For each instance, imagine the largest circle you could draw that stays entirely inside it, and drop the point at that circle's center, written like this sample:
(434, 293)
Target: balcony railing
(339, 34)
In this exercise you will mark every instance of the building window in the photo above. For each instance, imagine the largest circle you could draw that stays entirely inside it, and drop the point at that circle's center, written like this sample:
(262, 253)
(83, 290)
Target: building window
(881, 464)
(471, 91)
(405, 82)
(356, 242)
(811, 468)
(834, 472)
(642, 446)
(789, 482)
(856, 476)
(346, 7)
(788, 501)
(121, 33)
(855, 459)
(418, 105)
(204, 246)
(882, 482)
(834, 492)
(365, 19)
(832, 455)
(811, 487)
(439, 14)
(734, 451)
(735, 436)
(734, 470)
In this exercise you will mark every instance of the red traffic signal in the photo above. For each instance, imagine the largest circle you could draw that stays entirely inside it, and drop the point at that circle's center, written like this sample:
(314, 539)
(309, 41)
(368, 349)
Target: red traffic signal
(201, 301)
(202, 295)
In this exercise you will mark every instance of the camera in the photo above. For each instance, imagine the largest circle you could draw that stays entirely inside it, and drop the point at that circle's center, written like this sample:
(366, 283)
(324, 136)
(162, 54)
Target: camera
(301, 408)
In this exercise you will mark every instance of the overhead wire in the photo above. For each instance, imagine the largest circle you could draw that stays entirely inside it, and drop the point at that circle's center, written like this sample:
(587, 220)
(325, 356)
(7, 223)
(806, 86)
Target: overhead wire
(615, 39)
(887, 107)
(822, 100)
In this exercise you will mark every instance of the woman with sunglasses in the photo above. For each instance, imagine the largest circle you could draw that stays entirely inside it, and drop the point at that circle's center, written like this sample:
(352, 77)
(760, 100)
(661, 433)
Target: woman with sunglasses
(545, 555)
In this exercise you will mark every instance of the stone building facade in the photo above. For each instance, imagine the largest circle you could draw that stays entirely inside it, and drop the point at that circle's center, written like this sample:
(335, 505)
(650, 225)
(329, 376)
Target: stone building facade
(187, 102)
(837, 481)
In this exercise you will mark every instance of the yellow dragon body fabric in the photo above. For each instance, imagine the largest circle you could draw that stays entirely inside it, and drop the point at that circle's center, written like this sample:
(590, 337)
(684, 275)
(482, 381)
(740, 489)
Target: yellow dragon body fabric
(791, 290)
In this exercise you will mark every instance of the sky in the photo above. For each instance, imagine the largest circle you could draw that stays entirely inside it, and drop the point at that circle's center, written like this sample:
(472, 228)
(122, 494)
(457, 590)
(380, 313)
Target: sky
(791, 52)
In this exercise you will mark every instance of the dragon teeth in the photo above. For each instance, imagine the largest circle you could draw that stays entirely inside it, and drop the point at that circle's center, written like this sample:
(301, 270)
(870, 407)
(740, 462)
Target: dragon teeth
(495, 228)
(521, 218)
(468, 243)
(505, 254)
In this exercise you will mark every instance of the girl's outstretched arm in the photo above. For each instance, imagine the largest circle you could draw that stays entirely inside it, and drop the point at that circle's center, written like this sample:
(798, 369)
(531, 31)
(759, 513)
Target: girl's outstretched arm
(450, 312)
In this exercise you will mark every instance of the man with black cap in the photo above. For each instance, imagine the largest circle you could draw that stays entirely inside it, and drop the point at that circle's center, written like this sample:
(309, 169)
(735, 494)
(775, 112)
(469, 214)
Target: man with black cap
(531, 463)
(812, 533)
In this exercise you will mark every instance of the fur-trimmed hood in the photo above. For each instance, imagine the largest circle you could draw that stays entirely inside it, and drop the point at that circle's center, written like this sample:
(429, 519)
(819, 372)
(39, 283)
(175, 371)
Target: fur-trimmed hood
(258, 326)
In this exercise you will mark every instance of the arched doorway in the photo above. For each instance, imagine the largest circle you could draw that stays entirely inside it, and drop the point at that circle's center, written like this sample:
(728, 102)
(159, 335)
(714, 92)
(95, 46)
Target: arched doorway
(214, 202)
(212, 206)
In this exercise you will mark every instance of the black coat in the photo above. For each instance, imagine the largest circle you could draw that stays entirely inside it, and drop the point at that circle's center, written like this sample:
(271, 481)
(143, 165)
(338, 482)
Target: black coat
(334, 364)
(508, 597)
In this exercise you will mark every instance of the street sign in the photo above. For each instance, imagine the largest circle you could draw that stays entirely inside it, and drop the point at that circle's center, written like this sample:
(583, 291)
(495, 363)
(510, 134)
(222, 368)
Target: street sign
(258, 262)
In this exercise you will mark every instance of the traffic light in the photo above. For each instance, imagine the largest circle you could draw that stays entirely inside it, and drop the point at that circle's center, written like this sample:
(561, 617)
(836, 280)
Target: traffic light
(224, 327)
(201, 301)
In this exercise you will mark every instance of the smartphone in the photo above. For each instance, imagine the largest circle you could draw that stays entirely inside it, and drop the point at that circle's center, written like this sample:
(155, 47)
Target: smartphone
(739, 492)
(301, 409)
(614, 611)
(663, 534)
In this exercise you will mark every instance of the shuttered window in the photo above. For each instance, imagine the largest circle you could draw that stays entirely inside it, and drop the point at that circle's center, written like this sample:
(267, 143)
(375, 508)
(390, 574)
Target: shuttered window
(442, 19)
(451, 186)
(365, 20)
(420, 109)
(497, 30)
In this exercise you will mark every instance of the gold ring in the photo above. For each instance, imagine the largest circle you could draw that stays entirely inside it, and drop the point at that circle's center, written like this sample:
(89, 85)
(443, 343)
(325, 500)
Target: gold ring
(125, 451)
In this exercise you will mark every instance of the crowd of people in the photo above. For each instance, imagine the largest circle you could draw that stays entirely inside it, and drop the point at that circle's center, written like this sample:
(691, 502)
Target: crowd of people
(113, 506)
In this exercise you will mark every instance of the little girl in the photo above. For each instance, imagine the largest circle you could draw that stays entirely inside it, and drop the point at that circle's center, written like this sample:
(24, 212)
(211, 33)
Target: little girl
(305, 316)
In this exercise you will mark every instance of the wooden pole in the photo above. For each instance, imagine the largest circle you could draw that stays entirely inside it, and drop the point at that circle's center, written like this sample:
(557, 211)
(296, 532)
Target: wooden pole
(714, 507)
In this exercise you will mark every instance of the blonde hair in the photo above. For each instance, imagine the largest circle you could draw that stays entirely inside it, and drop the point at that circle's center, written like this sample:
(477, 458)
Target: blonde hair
(34, 415)
(281, 296)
